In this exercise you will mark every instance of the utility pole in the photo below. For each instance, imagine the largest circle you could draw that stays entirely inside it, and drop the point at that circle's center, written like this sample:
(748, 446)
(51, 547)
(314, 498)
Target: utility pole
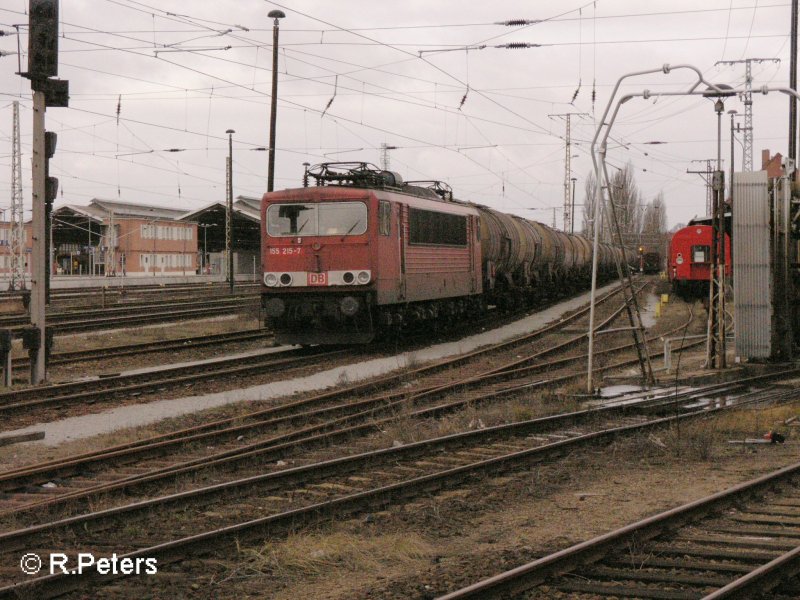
(276, 16)
(229, 209)
(706, 175)
(793, 85)
(17, 237)
(747, 160)
(568, 166)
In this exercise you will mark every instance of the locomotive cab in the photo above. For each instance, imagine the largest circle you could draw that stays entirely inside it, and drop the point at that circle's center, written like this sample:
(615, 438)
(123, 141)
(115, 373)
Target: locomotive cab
(689, 266)
(318, 280)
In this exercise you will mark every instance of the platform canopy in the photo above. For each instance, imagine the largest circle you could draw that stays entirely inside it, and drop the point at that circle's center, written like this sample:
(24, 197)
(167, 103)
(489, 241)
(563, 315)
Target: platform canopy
(210, 221)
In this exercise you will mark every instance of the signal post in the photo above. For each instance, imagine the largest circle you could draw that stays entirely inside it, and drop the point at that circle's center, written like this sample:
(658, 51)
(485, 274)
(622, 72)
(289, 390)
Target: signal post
(42, 66)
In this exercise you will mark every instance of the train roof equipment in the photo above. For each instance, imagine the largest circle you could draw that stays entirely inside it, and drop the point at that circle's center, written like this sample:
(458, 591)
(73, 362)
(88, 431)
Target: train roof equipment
(367, 175)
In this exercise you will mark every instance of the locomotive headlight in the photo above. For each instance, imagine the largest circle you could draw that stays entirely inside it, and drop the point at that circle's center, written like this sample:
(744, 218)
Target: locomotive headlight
(275, 307)
(270, 280)
(348, 277)
(363, 277)
(286, 279)
(349, 306)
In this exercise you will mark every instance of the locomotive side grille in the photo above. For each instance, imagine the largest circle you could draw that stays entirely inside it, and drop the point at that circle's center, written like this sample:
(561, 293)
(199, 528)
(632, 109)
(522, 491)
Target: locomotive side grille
(437, 260)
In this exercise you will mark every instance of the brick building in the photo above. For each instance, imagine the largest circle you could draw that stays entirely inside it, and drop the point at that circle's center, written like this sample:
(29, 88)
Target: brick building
(109, 237)
(772, 165)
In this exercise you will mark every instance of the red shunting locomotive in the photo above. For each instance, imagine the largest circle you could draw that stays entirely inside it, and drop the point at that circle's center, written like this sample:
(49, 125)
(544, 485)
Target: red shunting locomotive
(690, 260)
(362, 252)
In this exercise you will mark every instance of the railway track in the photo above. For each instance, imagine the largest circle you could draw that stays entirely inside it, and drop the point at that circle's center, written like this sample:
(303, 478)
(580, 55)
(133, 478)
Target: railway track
(259, 436)
(129, 315)
(740, 543)
(14, 402)
(135, 383)
(171, 527)
(83, 479)
(340, 410)
(116, 291)
(198, 341)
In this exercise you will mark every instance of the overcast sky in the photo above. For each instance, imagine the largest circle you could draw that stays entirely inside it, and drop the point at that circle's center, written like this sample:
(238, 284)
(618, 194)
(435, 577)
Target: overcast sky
(149, 77)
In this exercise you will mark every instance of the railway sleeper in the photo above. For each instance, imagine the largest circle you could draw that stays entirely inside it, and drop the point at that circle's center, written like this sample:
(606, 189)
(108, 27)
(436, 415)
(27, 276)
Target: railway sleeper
(632, 591)
(654, 575)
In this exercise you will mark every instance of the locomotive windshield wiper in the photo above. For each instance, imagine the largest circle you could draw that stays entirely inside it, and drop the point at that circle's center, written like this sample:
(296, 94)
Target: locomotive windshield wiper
(353, 226)
(303, 225)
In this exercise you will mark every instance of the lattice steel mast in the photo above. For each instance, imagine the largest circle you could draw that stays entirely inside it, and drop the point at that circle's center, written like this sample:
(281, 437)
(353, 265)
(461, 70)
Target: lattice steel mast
(568, 168)
(747, 97)
(17, 237)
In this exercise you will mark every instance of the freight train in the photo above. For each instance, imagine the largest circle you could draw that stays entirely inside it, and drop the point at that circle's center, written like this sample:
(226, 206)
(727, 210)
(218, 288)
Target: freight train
(361, 253)
(650, 261)
(690, 261)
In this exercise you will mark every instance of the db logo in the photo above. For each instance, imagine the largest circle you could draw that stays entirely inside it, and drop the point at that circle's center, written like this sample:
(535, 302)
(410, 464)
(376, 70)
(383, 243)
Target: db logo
(317, 279)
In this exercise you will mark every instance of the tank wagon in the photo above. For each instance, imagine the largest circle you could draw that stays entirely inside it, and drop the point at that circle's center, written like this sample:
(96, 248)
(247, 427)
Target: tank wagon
(361, 252)
(690, 261)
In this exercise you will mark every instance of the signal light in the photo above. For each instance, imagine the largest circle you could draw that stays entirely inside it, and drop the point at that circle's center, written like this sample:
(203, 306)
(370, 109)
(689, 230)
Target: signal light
(43, 39)
(43, 53)
(50, 189)
(51, 183)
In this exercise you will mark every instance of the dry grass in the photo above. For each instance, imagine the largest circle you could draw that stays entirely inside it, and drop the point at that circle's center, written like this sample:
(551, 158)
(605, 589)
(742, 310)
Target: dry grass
(301, 557)
(707, 438)
(406, 428)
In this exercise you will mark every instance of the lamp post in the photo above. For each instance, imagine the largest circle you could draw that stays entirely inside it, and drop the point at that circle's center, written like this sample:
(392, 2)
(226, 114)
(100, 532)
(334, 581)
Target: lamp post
(276, 15)
(733, 114)
(229, 210)
(716, 347)
(205, 227)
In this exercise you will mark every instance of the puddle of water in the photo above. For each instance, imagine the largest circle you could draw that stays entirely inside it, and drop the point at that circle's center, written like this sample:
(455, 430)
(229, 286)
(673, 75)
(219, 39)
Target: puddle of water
(613, 391)
(629, 395)
(648, 311)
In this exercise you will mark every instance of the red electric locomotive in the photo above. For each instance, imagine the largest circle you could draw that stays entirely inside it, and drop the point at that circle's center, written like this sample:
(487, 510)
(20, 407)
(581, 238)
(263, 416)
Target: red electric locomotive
(690, 260)
(341, 261)
(362, 252)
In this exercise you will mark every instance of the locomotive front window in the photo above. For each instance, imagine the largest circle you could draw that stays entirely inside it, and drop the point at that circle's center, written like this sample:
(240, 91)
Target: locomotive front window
(292, 219)
(342, 218)
(324, 218)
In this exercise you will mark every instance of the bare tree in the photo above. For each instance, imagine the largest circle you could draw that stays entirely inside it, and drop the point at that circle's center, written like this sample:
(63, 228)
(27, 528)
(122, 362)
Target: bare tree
(627, 202)
(590, 190)
(654, 224)
(655, 217)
